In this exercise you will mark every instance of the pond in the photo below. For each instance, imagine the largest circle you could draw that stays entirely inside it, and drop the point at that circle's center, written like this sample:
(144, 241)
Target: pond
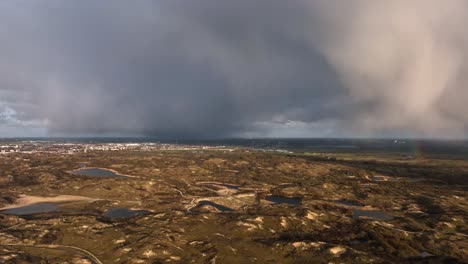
(215, 205)
(97, 172)
(283, 200)
(374, 214)
(124, 213)
(36, 208)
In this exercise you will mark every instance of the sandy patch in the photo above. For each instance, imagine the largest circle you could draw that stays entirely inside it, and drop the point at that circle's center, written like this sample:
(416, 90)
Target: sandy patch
(25, 200)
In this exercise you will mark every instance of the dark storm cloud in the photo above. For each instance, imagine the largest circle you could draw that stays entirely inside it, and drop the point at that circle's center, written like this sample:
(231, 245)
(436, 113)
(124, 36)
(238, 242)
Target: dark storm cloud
(205, 69)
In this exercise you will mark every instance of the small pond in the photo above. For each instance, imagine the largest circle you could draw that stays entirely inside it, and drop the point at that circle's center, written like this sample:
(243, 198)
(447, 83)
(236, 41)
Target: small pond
(374, 214)
(215, 205)
(97, 172)
(124, 213)
(284, 200)
(36, 208)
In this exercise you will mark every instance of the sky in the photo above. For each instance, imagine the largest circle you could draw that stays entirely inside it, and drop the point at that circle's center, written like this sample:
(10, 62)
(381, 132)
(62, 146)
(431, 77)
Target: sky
(234, 68)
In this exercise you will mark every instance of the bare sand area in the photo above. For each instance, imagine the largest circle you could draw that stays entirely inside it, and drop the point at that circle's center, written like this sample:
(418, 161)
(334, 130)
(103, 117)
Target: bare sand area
(25, 200)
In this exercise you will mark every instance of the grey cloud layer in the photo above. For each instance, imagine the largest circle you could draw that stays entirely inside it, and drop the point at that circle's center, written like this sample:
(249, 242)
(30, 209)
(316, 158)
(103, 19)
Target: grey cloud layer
(225, 68)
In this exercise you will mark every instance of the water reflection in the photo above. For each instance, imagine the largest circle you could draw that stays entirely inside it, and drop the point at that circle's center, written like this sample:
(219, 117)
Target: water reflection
(215, 205)
(374, 214)
(36, 208)
(124, 213)
(284, 200)
(97, 172)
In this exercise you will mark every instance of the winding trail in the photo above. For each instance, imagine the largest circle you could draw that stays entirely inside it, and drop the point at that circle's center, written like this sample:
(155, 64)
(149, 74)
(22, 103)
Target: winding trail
(78, 250)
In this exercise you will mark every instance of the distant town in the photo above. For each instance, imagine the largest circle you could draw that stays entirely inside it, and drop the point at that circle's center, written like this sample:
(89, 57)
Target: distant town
(71, 148)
